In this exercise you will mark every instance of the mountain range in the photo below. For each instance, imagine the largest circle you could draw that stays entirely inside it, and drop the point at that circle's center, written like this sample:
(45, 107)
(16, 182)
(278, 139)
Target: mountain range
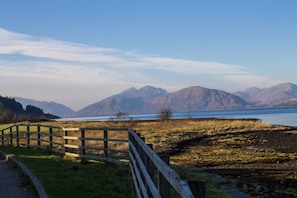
(278, 95)
(150, 99)
(48, 107)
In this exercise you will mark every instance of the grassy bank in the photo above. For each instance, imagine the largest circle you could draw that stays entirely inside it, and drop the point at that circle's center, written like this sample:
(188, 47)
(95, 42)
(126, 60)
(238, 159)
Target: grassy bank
(224, 142)
(67, 177)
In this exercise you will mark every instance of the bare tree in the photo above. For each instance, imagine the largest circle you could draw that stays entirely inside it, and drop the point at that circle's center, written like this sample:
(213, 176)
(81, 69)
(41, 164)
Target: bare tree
(165, 113)
(123, 119)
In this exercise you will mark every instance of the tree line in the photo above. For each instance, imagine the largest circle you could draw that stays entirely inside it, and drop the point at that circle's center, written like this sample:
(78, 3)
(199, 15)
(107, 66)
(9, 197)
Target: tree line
(13, 111)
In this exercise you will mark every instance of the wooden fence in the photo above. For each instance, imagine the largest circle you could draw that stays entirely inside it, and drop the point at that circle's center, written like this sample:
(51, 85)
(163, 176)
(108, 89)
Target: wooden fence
(84, 143)
(152, 175)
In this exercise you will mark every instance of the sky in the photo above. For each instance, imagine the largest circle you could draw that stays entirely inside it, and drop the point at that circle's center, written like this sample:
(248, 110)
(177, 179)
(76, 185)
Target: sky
(78, 52)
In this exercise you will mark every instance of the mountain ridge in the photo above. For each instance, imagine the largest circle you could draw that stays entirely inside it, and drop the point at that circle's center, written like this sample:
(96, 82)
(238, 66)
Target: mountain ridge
(48, 107)
(150, 99)
(269, 97)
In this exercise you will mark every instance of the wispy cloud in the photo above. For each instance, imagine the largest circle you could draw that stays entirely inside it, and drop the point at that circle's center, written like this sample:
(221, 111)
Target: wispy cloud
(61, 64)
(38, 47)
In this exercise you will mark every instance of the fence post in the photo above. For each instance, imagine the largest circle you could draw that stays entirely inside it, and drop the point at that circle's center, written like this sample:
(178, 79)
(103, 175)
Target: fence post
(105, 143)
(142, 153)
(197, 188)
(149, 163)
(17, 135)
(28, 136)
(38, 136)
(82, 146)
(163, 184)
(51, 137)
(10, 136)
(2, 137)
(65, 140)
(150, 169)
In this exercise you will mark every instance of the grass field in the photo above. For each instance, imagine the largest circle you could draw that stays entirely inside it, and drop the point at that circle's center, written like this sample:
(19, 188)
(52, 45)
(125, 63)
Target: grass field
(67, 177)
(194, 142)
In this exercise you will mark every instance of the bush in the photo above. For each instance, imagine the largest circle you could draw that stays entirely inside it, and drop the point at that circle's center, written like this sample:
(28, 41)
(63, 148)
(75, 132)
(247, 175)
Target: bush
(123, 119)
(165, 113)
(121, 116)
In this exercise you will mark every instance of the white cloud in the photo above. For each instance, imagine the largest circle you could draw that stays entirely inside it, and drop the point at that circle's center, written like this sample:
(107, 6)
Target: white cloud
(65, 51)
(52, 66)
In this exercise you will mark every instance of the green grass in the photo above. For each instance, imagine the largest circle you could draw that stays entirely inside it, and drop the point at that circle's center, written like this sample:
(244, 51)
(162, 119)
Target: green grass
(66, 177)
(62, 176)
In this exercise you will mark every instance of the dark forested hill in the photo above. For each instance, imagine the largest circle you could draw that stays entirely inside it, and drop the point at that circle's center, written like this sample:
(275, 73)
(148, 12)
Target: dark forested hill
(12, 111)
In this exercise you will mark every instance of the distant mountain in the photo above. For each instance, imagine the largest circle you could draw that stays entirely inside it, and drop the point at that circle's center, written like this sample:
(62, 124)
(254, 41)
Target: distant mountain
(199, 98)
(13, 111)
(288, 103)
(249, 93)
(150, 99)
(48, 107)
(131, 100)
(269, 97)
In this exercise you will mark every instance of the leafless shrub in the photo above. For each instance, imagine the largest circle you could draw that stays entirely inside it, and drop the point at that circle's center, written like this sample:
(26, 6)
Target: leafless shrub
(165, 113)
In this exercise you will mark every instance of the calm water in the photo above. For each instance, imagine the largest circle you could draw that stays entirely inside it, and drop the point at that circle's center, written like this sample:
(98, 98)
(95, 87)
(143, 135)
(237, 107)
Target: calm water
(280, 116)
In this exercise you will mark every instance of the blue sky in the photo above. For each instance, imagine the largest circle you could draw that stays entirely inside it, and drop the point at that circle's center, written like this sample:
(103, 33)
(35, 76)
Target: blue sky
(79, 52)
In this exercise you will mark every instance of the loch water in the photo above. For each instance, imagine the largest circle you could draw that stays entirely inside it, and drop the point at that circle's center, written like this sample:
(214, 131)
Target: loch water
(278, 116)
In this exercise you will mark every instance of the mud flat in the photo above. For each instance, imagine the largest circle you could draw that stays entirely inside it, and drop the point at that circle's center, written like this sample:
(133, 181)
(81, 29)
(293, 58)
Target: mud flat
(259, 163)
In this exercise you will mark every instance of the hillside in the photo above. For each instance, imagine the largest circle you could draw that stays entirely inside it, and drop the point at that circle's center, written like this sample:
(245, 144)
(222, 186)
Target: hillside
(269, 97)
(131, 100)
(150, 99)
(289, 103)
(12, 111)
(199, 98)
(48, 107)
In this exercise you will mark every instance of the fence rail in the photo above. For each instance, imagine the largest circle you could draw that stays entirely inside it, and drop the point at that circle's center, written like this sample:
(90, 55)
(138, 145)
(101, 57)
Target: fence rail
(84, 143)
(152, 175)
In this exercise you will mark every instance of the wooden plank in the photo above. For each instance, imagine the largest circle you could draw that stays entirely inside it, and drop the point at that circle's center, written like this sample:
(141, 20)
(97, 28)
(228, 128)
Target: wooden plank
(174, 179)
(57, 143)
(96, 157)
(140, 182)
(70, 129)
(117, 140)
(71, 146)
(102, 149)
(72, 154)
(71, 138)
(95, 139)
(57, 136)
(135, 180)
(143, 169)
(109, 129)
